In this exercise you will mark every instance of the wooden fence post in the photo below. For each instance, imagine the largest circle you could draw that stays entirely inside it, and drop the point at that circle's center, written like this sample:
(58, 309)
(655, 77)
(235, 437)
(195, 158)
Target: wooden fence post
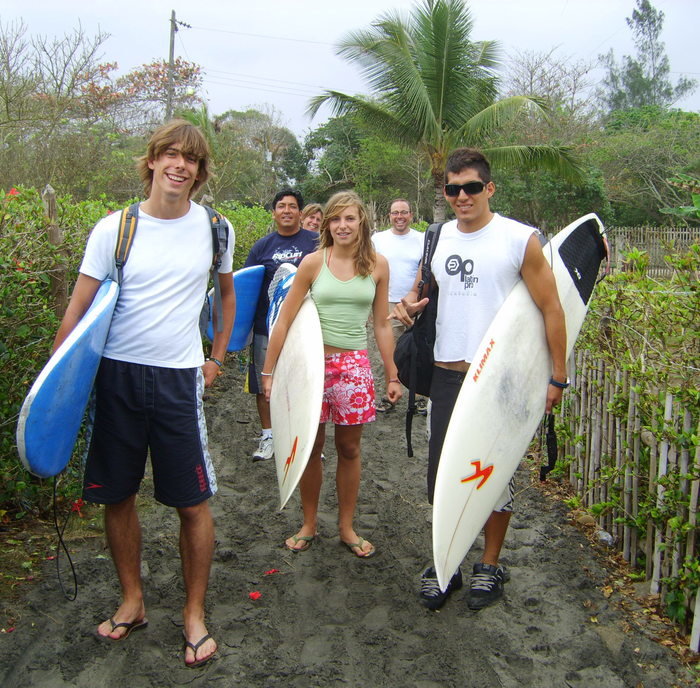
(620, 384)
(653, 463)
(664, 452)
(690, 547)
(59, 283)
(628, 541)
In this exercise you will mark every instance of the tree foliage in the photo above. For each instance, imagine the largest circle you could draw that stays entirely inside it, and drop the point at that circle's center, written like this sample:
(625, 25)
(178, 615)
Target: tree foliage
(253, 154)
(433, 89)
(690, 184)
(345, 153)
(66, 120)
(644, 80)
(637, 151)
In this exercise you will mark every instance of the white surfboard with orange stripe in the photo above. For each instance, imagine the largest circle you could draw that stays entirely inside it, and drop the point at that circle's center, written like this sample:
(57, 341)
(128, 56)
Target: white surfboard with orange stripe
(297, 392)
(502, 399)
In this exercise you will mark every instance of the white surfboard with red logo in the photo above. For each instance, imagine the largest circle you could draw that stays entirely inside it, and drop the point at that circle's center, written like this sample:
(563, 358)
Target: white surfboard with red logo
(502, 399)
(297, 390)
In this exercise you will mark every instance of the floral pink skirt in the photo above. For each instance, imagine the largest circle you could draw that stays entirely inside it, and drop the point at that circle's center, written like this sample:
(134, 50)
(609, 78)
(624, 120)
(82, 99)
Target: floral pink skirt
(348, 391)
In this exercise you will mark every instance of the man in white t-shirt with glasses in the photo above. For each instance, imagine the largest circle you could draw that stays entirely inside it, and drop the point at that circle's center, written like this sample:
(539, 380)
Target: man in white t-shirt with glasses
(402, 246)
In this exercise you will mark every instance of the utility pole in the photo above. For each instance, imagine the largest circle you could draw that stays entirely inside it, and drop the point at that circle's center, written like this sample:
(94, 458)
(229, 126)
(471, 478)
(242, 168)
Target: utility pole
(171, 68)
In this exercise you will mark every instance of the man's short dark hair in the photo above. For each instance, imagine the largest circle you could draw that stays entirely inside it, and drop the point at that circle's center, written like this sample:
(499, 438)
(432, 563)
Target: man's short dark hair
(288, 192)
(463, 158)
(401, 200)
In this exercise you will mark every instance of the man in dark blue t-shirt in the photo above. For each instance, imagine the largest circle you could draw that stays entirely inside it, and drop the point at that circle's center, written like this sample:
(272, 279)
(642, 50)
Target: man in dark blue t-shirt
(288, 244)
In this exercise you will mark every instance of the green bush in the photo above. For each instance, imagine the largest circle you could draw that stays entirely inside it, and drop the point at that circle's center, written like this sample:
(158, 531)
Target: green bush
(28, 322)
(648, 328)
(250, 224)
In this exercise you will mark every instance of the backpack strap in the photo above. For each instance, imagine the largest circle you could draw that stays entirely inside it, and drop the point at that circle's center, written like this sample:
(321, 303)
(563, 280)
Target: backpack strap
(219, 237)
(432, 234)
(125, 238)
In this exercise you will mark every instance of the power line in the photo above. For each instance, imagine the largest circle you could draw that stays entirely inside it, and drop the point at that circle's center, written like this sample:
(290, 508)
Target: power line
(265, 78)
(260, 35)
(255, 88)
(256, 82)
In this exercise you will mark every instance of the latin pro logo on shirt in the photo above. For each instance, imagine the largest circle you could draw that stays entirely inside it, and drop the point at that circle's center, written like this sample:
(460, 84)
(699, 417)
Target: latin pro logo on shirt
(454, 265)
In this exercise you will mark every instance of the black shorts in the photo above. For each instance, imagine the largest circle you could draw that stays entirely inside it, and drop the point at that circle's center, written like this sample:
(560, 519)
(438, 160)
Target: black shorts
(444, 390)
(142, 408)
(256, 361)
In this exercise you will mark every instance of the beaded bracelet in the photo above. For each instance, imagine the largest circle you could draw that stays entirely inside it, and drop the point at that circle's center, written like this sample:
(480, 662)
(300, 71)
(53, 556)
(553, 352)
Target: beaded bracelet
(394, 379)
(215, 360)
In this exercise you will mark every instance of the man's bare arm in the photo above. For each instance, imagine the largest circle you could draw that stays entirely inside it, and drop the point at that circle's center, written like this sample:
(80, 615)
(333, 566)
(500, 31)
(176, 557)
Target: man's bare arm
(80, 300)
(539, 278)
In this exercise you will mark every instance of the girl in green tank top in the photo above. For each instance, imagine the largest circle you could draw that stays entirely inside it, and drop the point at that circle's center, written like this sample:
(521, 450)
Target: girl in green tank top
(347, 279)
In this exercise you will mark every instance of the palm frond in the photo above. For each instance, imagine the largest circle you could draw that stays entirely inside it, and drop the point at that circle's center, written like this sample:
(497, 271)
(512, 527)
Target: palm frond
(433, 88)
(496, 115)
(373, 113)
(560, 160)
(387, 54)
(447, 62)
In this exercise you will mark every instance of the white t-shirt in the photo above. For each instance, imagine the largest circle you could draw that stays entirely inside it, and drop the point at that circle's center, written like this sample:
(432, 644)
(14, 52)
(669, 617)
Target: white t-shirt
(475, 273)
(404, 253)
(156, 319)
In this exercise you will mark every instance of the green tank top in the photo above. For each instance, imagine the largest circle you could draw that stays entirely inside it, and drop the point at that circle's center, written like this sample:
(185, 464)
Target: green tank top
(343, 308)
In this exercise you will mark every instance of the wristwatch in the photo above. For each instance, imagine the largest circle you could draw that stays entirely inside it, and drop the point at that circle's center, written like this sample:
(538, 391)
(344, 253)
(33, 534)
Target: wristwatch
(561, 385)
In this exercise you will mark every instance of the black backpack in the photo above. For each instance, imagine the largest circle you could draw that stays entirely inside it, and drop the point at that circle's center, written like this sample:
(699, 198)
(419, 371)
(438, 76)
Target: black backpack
(219, 234)
(413, 354)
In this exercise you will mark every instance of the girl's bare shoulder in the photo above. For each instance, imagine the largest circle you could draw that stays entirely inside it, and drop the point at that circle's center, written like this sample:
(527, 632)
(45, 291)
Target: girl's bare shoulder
(381, 267)
(311, 265)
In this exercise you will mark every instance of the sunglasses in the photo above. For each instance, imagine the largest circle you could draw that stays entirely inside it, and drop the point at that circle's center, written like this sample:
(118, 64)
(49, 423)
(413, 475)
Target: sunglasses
(470, 188)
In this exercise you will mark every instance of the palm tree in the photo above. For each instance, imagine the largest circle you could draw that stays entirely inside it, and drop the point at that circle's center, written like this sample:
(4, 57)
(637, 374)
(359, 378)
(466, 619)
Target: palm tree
(434, 90)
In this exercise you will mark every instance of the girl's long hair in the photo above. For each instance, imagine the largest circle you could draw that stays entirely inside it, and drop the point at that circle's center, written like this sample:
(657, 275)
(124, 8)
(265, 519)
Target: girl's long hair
(364, 256)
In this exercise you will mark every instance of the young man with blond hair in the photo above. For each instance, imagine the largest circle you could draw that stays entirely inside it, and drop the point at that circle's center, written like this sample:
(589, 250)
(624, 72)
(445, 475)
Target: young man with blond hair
(152, 376)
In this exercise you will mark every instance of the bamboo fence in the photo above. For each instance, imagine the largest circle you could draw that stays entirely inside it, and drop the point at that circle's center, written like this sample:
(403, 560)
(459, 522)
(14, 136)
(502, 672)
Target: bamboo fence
(632, 450)
(655, 241)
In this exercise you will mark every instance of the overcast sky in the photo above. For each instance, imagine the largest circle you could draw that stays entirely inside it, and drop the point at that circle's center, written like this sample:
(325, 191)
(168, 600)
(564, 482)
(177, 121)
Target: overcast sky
(281, 52)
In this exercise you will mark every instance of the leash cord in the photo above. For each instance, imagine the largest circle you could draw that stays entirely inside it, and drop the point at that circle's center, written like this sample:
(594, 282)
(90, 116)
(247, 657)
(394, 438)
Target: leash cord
(62, 545)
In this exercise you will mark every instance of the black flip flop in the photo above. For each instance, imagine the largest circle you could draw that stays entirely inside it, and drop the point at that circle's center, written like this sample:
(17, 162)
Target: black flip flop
(194, 647)
(133, 626)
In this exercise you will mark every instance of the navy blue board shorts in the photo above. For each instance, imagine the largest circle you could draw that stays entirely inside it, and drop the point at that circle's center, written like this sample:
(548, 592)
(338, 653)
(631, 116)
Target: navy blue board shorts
(143, 409)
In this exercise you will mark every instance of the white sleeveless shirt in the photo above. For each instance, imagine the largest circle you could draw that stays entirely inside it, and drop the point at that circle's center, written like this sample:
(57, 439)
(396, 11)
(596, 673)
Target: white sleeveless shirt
(475, 273)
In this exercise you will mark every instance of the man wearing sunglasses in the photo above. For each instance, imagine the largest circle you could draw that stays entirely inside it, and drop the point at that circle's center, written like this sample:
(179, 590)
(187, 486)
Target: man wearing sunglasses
(478, 259)
(402, 246)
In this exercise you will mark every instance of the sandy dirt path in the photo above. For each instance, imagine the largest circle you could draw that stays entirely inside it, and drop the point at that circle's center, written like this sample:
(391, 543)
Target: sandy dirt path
(326, 618)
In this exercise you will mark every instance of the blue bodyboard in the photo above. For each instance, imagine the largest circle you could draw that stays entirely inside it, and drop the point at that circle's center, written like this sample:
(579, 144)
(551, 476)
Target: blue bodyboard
(278, 290)
(246, 283)
(53, 410)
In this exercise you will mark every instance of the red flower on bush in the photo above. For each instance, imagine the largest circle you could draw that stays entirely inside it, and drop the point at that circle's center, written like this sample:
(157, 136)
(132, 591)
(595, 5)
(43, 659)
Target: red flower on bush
(12, 192)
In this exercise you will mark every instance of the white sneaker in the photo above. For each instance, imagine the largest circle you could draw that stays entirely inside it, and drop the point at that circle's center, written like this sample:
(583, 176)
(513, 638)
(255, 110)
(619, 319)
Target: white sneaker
(265, 450)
